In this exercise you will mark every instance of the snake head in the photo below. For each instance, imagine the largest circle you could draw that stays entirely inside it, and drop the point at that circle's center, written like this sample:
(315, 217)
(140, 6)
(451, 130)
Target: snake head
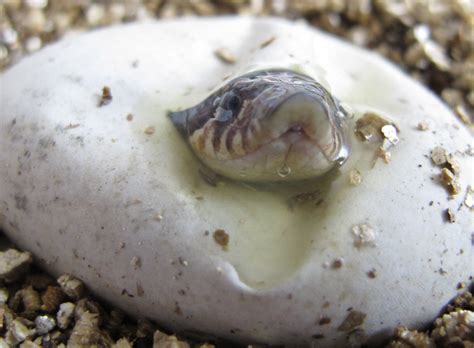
(270, 125)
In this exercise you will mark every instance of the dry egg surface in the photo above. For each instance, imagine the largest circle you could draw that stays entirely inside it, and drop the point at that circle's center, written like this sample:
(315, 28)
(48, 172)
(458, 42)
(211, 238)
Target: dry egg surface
(96, 181)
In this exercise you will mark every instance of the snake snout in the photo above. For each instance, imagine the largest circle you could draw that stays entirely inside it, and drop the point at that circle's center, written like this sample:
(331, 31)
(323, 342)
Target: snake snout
(301, 113)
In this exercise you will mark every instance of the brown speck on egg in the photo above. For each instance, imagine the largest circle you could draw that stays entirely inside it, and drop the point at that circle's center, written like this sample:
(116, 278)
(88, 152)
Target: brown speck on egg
(183, 262)
(267, 42)
(450, 216)
(135, 262)
(352, 321)
(364, 235)
(324, 320)
(355, 178)
(337, 263)
(450, 169)
(374, 128)
(439, 156)
(125, 292)
(423, 126)
(177, 309)
(221, 238)
(384, 154)
(310, 197)
(369, 127)
(149, 130)
(448, 179)
(372, 273)
(72, 126)
(140, 291)
(225, 56)
(453, 165)
(468, 198)
(390, 133)
(106, 97)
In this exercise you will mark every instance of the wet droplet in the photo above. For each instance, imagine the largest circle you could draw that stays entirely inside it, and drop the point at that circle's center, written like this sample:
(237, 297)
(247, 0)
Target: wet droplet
(284, 171)
(343, 155)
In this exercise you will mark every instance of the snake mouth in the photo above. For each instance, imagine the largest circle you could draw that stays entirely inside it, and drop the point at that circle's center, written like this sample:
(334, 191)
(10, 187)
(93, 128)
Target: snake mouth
(297, 143)
(302, 118)
(297, 129)
(295, 135)
(299, 132)
(293, 154)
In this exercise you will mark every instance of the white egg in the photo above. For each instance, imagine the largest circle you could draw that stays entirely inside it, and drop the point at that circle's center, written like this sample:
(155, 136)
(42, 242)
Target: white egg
(120, 202)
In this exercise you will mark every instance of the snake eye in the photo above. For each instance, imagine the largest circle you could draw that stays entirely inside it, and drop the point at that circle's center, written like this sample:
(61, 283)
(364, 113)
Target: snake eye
(234, 104)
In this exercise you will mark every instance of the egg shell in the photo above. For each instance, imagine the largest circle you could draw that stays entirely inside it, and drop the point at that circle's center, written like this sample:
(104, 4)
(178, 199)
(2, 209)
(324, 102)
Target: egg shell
(112, 194)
